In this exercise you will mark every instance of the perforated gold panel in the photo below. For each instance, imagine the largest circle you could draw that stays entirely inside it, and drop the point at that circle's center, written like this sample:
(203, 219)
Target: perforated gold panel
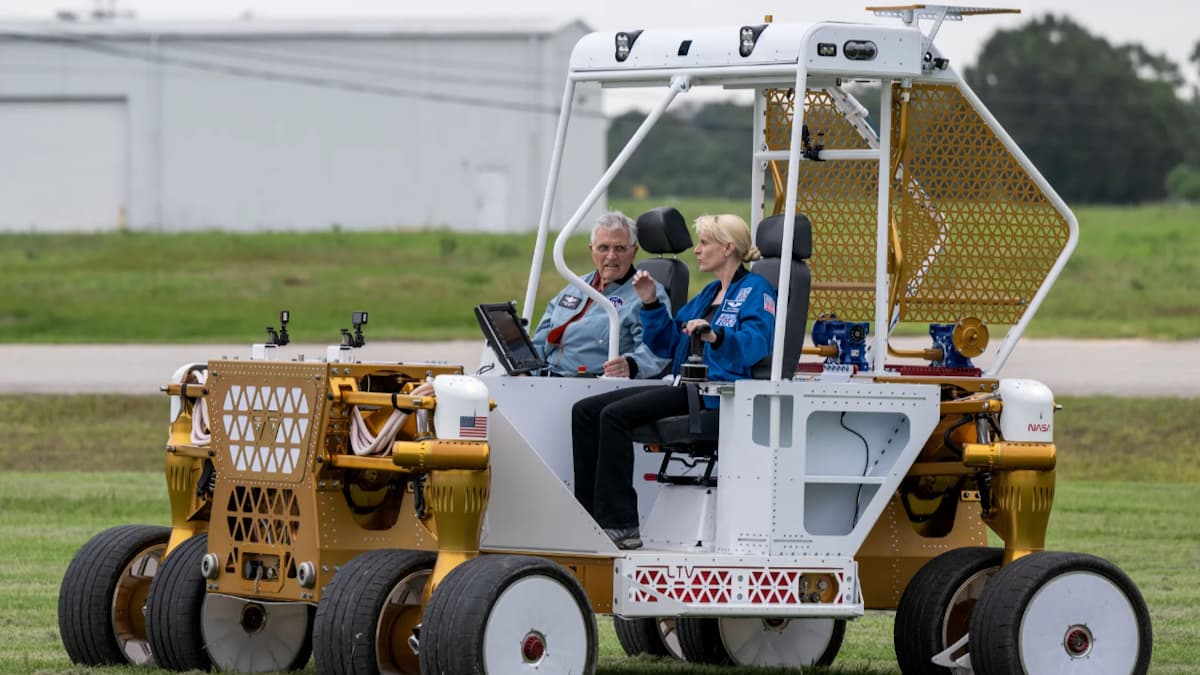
(978, 235)
(840, 199)
(262, 519)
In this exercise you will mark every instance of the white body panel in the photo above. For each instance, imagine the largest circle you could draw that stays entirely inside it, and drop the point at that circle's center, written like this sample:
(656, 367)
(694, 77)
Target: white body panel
(462, 408)
(1028, 411)
(841, 452)
(656, 584)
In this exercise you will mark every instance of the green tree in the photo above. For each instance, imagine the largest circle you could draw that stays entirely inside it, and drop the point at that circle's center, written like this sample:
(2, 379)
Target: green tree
(699, 151)
(1103, 123)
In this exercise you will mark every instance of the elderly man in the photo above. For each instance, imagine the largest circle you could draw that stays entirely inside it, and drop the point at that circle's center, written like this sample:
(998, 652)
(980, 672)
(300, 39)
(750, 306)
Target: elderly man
(573, 335)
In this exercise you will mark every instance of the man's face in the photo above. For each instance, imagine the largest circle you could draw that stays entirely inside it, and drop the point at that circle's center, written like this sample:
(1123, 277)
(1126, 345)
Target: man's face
(613, 254)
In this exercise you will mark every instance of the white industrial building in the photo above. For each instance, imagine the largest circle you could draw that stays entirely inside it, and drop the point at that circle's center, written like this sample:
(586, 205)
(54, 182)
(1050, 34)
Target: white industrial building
(287, 125)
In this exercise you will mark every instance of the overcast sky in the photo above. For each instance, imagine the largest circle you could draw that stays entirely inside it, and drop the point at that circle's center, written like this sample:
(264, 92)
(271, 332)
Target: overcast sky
(1171, 27)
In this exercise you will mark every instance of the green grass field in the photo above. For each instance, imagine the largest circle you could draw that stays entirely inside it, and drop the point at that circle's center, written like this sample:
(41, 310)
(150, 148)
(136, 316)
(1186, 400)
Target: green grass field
(71, 466)
(1132, 276)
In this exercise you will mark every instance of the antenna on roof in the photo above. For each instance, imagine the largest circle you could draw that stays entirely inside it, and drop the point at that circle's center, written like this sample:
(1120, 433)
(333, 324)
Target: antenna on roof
(912, 15)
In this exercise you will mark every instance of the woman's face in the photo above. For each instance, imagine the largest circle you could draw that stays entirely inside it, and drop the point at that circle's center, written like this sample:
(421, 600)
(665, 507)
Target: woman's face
(710, 255)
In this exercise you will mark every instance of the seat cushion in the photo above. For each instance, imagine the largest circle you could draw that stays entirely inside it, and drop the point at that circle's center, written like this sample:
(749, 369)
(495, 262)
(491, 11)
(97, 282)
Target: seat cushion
(674, 431)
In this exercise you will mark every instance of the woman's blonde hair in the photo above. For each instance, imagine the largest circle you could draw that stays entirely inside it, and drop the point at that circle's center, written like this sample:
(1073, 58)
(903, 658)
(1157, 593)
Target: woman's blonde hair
(728, 228)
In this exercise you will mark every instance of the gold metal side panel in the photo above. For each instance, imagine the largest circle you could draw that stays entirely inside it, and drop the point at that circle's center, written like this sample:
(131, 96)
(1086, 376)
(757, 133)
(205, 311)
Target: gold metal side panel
(267, 422)
(840, 198)
(978, 235)
(893, 551)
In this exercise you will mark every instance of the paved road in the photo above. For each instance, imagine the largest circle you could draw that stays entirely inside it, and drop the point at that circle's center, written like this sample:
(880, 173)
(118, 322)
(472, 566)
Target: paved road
(1069, 367)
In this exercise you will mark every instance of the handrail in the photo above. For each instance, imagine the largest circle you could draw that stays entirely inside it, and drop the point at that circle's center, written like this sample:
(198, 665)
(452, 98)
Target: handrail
(539, 248)
(678, 84)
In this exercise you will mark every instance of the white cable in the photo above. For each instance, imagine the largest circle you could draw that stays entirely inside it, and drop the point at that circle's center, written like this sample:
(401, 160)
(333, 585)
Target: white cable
(201, 435)
(363, 442)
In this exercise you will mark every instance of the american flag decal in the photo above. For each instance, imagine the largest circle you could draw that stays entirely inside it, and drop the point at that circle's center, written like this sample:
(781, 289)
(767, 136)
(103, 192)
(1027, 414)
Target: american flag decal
(472, 427)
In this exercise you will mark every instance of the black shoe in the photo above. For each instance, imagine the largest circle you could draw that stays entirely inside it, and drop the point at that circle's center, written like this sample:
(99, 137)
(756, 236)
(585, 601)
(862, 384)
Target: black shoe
(624, 537)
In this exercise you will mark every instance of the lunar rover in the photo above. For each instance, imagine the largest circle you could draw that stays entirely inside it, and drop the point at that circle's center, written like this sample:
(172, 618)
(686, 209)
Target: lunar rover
(414, 518)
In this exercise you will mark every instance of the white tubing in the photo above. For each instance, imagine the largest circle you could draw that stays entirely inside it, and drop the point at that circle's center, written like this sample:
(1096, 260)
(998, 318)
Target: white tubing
(678, 84)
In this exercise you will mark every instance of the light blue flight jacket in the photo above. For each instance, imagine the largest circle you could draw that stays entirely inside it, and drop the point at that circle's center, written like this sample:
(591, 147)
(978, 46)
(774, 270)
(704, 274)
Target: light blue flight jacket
(585, 342)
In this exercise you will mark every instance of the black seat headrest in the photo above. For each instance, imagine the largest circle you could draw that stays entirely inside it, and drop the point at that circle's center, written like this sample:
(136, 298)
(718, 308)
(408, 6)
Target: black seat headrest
(770, 237)
(663, 230)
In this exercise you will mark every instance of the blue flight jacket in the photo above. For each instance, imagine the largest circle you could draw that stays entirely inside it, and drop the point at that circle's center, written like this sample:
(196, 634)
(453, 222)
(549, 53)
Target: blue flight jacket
(744, 324)
(585, 342)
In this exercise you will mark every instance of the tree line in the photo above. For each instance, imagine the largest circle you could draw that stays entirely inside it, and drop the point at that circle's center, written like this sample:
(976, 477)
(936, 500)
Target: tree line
(1105, 123)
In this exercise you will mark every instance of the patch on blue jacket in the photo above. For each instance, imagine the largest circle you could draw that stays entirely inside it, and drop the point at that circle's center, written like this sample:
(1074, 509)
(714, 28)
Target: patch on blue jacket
(726, 320)
(570, 301)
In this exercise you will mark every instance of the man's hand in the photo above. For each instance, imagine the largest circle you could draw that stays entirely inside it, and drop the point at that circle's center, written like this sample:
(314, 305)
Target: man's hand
(643, 283)
(700, 325)
(617, 367)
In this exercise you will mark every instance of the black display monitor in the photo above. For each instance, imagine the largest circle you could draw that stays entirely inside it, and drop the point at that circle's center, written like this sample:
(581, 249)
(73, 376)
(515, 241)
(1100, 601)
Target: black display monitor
(506, 334)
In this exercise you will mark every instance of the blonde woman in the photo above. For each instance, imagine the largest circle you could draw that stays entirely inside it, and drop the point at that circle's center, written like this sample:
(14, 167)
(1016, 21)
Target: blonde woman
(735, 316)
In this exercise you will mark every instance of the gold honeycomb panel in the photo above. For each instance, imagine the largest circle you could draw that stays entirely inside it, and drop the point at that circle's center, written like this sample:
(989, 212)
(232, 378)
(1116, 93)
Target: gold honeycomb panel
(263, 418)
(262, 519)
(978, 236)
(840, 199)
(977, 233)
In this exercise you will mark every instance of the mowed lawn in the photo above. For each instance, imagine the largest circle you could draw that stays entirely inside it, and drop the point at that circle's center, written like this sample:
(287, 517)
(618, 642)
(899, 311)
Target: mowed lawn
(71, 466)
(1133, 275)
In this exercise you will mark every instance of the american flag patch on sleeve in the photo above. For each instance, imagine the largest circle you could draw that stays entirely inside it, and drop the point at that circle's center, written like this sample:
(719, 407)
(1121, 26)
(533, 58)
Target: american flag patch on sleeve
(769, 304)
(472, 426)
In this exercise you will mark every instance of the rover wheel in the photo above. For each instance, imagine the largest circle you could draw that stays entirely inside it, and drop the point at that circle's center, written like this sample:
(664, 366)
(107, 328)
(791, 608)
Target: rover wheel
(103, 592)
(655, 636)
(791, 643)
(174, 606)
(1061, 612)
(244, 636)
(368, 613)
(508, 614)
(935, 610)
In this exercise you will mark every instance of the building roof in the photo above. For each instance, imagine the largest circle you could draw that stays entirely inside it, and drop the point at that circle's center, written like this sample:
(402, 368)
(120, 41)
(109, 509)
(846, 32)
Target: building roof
(299, 27)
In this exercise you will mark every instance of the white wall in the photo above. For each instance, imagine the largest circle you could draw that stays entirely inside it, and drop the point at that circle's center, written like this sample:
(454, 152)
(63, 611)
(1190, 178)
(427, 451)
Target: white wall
(303, 132)
(64, 164)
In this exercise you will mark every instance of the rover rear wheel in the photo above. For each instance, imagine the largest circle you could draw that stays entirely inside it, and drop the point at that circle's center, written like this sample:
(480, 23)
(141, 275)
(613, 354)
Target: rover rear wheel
(655, 636)
(368, 612)
(1055, 612)
(509, 614)
(103, 593)
(935, 609)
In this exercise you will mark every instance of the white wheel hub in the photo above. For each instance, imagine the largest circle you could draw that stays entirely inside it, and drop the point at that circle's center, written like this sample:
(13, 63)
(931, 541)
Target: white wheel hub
(252, 637)
(776, 642)
(536, 626)
(1079, 620)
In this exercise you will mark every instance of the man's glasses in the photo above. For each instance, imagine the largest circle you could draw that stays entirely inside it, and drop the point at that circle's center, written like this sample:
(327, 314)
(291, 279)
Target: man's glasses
(605, 249)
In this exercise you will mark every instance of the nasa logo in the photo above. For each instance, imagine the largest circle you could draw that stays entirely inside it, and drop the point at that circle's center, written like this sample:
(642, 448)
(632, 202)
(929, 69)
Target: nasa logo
(1039, 427)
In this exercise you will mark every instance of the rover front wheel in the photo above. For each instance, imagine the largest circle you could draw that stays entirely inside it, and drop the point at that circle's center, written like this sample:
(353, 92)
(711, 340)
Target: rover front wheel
(509, 614)
(935, 609)
(174, 606)
(1054, 612)
(103, 592)
(368, 612)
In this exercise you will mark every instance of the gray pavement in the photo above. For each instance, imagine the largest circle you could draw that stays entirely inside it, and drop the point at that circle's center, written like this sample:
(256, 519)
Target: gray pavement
(1068, 367)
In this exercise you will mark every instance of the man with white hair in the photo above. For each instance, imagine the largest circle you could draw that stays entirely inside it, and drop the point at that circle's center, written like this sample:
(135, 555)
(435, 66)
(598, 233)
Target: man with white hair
(573, 335)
